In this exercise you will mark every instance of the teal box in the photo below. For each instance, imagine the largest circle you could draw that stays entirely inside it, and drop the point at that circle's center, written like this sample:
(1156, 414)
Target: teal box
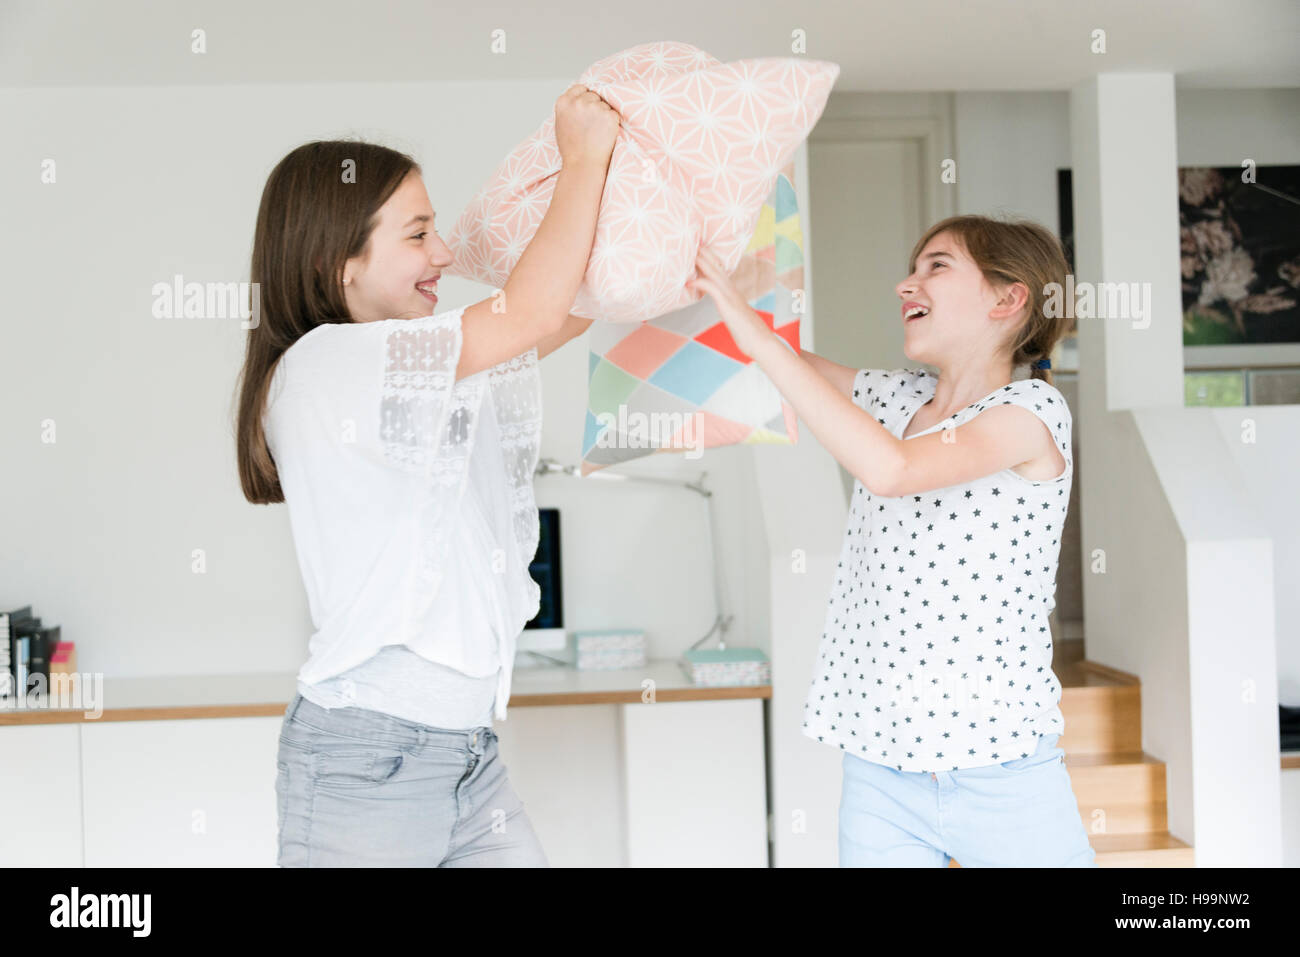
(724, 667)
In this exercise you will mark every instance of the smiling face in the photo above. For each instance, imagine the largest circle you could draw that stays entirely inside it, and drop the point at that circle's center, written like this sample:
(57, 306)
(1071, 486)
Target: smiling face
(396, 275)
(966, 318)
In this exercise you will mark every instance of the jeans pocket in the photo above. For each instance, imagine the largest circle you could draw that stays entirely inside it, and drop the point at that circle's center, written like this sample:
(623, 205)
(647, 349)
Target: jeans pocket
(355, 767)
(336, 728)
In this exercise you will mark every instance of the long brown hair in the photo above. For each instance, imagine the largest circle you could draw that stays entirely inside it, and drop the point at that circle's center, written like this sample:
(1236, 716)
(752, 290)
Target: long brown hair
(1009, 251)
(319, 207)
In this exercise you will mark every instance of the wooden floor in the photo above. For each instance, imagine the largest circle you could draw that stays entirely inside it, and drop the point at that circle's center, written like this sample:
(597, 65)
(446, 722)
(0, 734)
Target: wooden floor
(1120, 789)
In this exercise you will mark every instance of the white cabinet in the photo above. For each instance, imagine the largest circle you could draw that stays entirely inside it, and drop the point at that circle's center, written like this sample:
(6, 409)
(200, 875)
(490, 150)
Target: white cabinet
(198, 792)
(605, 783)
(673, 783)
(40, 796)
(696, 786)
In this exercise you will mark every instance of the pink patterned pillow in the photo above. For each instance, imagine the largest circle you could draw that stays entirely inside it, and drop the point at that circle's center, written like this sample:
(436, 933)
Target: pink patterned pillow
(697, 155)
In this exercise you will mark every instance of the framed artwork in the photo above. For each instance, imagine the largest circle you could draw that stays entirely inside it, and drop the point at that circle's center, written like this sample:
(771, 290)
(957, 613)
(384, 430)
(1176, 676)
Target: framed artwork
(1240, 254)
(1239, 232)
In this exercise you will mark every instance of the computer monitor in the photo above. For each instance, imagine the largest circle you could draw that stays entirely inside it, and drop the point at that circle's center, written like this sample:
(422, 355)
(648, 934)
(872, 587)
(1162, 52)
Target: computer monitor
(545, 570)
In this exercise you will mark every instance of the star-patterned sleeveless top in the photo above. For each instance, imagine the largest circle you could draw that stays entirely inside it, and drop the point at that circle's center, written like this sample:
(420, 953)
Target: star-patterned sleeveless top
(936, 653)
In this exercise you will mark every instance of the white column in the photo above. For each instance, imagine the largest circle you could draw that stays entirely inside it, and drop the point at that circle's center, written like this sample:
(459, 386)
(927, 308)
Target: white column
(1124, 156)
(1124, 163)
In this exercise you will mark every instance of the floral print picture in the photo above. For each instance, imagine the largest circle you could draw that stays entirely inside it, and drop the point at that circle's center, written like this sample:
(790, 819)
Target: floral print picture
(1240, 252)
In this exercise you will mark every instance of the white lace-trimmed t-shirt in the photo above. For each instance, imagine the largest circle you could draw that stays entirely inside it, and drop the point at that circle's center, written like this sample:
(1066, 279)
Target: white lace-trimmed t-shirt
(376, 443)
(936, 652)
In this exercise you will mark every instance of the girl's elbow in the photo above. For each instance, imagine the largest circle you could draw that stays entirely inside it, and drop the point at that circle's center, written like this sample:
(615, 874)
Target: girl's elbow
(547, 323)
(540, 314)
(877, 485)
(884, 491)
(886, 480)
(554, 328)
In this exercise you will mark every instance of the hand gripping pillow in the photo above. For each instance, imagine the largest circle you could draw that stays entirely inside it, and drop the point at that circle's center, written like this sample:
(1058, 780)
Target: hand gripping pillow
(698, 152)
(678, 382)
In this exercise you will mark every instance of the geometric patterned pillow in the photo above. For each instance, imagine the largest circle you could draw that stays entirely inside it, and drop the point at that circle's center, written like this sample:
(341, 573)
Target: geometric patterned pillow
(678, 383)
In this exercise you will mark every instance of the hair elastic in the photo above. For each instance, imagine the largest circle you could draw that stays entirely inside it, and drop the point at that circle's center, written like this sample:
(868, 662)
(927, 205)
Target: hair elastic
(1043, 364)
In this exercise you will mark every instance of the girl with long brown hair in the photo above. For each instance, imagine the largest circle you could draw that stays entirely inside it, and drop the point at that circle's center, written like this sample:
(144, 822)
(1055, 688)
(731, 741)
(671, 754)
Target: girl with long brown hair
(403, 442)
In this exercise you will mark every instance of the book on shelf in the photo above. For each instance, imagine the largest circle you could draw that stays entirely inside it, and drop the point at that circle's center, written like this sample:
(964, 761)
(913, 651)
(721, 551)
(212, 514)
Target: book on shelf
(25, 650)
(12, 649)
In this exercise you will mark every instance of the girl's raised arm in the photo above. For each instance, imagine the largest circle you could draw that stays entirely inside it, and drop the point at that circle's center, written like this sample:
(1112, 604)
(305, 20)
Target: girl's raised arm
(573, 327)
(839, 376)
(539, 292)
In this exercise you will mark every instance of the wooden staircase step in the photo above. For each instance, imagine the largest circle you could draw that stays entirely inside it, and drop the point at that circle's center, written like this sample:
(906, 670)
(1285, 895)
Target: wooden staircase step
(1137, 850)
(1101, 719)
(1121, 793)
(1102, 709)
(1161, 849)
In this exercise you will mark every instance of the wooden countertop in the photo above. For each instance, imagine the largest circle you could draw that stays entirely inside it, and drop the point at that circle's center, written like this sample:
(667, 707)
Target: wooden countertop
(268, 695)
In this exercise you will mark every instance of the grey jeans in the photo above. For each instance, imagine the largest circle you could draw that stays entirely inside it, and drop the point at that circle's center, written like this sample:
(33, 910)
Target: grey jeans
(360, 788)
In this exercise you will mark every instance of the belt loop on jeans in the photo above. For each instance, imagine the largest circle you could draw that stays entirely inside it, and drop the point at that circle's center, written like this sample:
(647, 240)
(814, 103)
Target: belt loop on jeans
(293, 706)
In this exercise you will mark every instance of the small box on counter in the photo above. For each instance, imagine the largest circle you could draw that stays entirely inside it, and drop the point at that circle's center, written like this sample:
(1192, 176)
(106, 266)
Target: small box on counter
(609, 649)
(721, 667)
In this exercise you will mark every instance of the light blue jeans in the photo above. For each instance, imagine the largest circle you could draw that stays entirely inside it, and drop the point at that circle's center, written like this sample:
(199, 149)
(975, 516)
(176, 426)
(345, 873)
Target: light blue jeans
(360, 788)
(1019, 813)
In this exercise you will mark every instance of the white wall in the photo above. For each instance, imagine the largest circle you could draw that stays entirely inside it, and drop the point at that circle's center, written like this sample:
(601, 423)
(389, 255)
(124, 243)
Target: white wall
(804, 543)
(1009, 147)
(1262, 442)
(1202, 640)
